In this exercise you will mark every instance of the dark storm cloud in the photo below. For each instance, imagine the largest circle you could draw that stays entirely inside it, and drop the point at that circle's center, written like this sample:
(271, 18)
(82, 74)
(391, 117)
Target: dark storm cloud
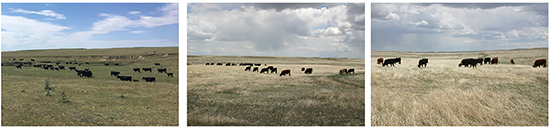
(355, 11)
(282, 6)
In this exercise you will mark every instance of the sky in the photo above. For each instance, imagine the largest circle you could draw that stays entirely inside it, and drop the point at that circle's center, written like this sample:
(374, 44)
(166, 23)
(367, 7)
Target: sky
(29, 26)
(432, 27)
(276, 29)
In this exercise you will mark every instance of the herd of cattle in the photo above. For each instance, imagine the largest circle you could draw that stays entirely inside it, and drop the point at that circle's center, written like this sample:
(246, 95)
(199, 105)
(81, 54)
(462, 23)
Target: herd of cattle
(87, 72)
(470, 62)
(271, 69)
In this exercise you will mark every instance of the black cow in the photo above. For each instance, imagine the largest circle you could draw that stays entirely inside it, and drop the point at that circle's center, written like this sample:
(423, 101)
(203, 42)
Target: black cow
(106, 64)
(86, 63)
(66, 62)
(258, 64)
(219, 64)
(18, 66)
(284, 72)
(274, 70)
(137, 70)
(115, 65)
(228, 64)
(149, 79)
(207, 63)
(247, 68)
(147, 69)
(84, 73)
(391, 62)
(21, 59)
(351, 70)
(72, 68)
(125, 78)
(57, 63)
(114, 73)
(487, 60)
(255, 69)
(264, 70)
(62, 67)
(51, 68)
(32, 59)
(37, 66)
(157, 64)
(162, 70)
(422, 62)
(170, 74)
(211, 63)
(246, 64)
(308, 70)
(470, 62)
(479, 61)
(303, 69)
(56, 69)
(269, 67)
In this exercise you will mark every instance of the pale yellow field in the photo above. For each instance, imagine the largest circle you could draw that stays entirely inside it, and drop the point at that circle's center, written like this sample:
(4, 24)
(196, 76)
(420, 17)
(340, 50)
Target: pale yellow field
(228, 95)
(442, 94)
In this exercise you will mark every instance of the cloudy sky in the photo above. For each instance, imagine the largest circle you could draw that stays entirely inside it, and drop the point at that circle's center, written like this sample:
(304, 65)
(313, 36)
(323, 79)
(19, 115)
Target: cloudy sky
(88, 25)
(458, 27)
(267, 29)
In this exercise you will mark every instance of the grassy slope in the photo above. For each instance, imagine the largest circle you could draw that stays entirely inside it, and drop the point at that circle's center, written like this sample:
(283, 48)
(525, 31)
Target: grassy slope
(228, 95)
(444, 94)
(145, 103)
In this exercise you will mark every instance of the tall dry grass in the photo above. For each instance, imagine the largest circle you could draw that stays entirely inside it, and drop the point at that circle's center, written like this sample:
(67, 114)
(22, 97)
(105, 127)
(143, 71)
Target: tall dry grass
(444, 94)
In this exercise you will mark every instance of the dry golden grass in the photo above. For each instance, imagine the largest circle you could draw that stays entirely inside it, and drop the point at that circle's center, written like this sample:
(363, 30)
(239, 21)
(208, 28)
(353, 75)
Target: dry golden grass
(228, 95)
(444, 94)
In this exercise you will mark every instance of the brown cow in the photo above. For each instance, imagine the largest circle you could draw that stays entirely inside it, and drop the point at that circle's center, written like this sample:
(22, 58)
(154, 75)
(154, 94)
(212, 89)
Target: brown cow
(284, 72)
(512, 61)
(494, 60)
(539, 62)
(380, 60)
(342, 71)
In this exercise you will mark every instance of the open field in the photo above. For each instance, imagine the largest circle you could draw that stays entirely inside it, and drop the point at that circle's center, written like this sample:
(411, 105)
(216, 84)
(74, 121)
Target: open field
(94, 101)
(443, 94)
(228, 95)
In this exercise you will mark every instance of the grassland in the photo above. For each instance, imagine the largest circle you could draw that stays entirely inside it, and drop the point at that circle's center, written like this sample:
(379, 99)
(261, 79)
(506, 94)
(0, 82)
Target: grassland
(228, 95)
(94, 101)
(443, 94)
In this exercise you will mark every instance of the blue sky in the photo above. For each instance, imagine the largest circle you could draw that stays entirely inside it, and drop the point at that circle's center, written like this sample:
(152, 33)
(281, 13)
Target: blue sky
(426, 27)
(27, 26)
(276, 29)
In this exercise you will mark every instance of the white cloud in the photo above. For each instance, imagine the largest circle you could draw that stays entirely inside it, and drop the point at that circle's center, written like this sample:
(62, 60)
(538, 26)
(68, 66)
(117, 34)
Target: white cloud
(136, 32)
(22, 31)
(43, 12)
(134, 12)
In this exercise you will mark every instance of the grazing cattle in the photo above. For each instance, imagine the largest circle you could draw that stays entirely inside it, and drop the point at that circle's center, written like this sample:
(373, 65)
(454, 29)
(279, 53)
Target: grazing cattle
(422, 62)
(46, 68)
(269, 67)
(170, 74)
(62, 67)
(228, 64)
(342, 71)
(37, 66)
(494, 60)
(137, 70)
(147, 69)
(18, 66)
(21, 59)
(27, 63)
(470, 62)
(284, 72)
(255, 69)
(380, 61)
(72, 68)
(247, 68)
(84, 73)
(479, 61)
(391, 62)
(32, 59)
(539, 62)
(66, 62)
(274, 70)
(258, 64)
(512, 61)
(149, 79)
(135, 80)
(351, 70)
(161, 70)
(157, 64)
(264, 70)
(303, 69)
(207, 63)
(57, 63)
(106, 64)
(114, 73)
(233, 64)
(115, 64)
(125, 78)
(86, 63)
(56, 69)
(51, 68)
(487, 60)
(219, 64)
(246, 64)
(211, 63)
(308, 71)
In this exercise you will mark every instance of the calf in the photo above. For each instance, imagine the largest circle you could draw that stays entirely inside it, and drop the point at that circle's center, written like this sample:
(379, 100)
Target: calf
(114, 73)
(170, 74)
(264, 70)
(161, 70)
(308, 71)
(125, 78)
(539, 62)
(342, 71)
(149, 79)
(284, 72)
(512, 61)
(422, 62)
(380, 61)
(303, 69)
(136, 70)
